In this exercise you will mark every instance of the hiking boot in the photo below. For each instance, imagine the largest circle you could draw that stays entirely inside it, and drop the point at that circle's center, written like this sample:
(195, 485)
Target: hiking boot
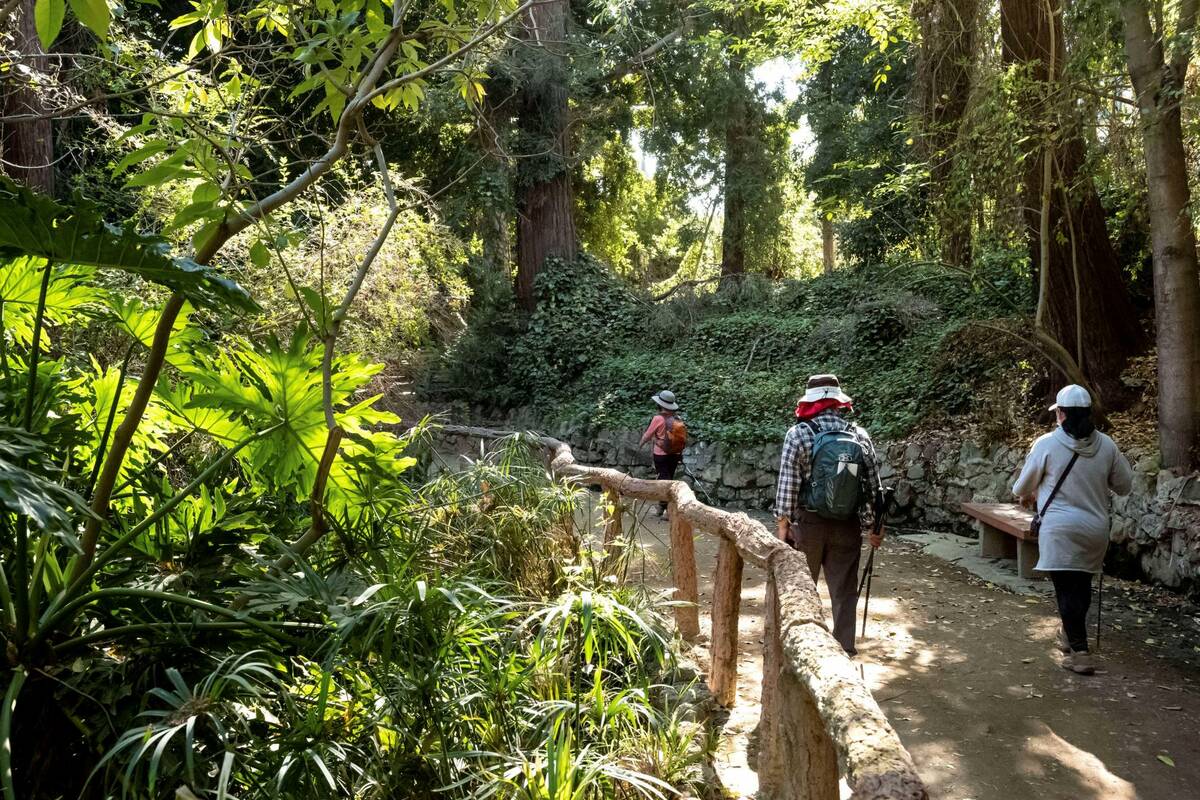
(1079, 663)
(1064, 646)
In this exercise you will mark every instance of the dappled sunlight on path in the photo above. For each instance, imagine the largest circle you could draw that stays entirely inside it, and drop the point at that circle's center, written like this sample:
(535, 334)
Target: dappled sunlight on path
(968, 676)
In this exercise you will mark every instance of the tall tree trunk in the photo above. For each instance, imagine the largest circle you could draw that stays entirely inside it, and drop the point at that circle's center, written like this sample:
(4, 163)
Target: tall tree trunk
(827, 245)
(495, 218)
(737, 134)
(1092, 317)
(28, 147)
(945, 71)
(545, 203)
(1159, 85)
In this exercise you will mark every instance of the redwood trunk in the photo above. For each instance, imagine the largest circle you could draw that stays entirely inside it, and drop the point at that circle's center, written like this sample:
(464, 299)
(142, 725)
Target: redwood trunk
(1159, 87)
(495, 219)
(28, 147)
(945, 68)
(827, 246)
(1079, 245)
(545, 203)
(733, 235)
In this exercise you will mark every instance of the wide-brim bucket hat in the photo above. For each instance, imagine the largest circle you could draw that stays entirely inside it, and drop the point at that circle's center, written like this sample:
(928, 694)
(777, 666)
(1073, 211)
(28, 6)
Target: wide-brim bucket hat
(824, 387)
(666, 400)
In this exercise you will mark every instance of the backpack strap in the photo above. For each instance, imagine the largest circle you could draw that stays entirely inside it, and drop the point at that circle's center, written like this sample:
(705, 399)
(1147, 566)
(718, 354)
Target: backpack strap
(1058, 484)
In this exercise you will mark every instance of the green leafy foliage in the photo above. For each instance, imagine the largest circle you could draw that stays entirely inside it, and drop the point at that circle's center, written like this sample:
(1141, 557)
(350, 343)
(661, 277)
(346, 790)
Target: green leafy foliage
(898, 336)
(582, 307)
(25, 493)
(33, 225)
(435, 621)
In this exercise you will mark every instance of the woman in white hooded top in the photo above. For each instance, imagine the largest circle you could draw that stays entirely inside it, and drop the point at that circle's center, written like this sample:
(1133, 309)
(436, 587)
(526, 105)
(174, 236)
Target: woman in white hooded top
(1075, 525)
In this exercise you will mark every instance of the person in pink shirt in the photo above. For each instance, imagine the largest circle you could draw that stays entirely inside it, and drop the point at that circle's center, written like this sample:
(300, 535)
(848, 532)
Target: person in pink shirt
(669, 435)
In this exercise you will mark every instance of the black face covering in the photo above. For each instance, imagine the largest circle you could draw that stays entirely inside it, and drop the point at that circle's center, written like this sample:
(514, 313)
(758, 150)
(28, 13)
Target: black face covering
(1077, 422)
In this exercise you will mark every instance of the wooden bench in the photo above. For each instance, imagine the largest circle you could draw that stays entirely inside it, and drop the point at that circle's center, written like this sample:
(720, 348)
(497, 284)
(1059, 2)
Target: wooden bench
(1004, 533)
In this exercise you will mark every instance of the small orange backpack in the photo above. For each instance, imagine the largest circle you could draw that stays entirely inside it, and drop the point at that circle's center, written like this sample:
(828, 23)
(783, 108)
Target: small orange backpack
(675, 436)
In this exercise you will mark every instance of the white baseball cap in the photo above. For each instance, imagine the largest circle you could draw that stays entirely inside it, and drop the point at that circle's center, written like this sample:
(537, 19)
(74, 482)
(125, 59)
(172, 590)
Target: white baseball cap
(1073, 396)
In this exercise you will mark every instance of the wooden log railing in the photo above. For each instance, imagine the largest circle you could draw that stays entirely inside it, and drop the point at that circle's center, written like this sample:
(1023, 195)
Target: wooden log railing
(819, 720)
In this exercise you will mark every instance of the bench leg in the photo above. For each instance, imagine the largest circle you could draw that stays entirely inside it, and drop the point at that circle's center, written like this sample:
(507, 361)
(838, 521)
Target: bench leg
(1027, 558)
(996, 544)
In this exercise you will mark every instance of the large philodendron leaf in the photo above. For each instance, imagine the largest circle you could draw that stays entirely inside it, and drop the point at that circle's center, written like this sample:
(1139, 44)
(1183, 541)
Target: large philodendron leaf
(31, 224)
(45, 504)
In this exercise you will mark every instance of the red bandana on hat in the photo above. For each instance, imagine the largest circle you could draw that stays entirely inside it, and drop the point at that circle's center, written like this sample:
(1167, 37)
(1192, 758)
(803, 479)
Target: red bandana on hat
(809, 410)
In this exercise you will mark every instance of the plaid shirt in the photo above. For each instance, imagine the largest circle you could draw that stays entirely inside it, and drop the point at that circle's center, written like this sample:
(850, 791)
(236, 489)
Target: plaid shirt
(795, 464)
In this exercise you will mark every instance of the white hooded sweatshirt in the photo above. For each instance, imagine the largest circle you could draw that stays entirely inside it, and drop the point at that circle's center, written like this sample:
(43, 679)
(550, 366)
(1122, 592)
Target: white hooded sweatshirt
(1075, 528)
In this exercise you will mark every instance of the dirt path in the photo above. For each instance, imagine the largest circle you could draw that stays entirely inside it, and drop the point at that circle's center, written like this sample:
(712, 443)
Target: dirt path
(967, 673)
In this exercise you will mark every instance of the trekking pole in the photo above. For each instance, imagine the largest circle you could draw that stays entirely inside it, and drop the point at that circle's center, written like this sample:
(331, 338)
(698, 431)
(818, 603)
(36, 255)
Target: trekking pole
(868, 573)
(1099, 608)
(883, 502)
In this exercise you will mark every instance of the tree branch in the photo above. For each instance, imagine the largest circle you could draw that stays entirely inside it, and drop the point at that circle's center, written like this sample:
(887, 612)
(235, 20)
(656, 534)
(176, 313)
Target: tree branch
(446, 59)
(639, 60)
(1185, 34)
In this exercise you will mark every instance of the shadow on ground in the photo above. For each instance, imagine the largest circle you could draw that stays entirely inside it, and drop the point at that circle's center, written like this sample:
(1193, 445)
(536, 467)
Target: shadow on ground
(967, 673)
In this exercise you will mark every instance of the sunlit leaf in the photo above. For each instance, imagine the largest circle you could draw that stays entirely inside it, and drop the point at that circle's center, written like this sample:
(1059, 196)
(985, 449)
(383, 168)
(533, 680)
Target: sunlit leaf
(31, 224)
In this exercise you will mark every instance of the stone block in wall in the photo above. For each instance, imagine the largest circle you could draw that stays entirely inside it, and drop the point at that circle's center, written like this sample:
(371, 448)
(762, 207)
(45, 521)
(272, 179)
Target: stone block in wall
(1189, 495)
(1143, 484)
(739, 474)
(1159, 565)
(1147, 463)
(1122, 529)
(947, 462)
(915, 472)
(1149, 529)
(970, 453)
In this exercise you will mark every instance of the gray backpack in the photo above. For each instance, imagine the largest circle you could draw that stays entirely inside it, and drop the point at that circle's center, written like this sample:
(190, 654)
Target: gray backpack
(839, 467)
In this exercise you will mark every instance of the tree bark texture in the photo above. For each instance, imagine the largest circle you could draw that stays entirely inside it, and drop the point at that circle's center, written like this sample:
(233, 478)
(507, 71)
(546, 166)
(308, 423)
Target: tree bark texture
(737, 135)
(1079, 244)
(495, 219)
(1159, 86)
(726, 610)
(683, 575)
(545, 203)
(28, 147)
(942, 92)
(828, 256)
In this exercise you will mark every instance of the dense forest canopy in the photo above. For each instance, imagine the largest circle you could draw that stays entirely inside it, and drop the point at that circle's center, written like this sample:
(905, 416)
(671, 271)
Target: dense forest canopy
(236, 237)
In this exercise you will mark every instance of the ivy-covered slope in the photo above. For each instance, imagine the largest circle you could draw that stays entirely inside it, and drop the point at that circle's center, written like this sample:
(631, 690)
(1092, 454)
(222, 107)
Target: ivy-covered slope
(900, 338)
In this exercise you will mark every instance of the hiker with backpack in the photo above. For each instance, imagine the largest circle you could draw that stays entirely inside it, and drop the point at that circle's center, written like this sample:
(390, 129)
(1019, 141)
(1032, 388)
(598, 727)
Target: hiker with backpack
(1067, 480)
(828, 479)
(669, 434)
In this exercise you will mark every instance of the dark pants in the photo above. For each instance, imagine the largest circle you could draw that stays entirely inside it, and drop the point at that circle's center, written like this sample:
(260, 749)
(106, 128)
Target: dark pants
(1074, 592)
(665, 466)
(833, 546)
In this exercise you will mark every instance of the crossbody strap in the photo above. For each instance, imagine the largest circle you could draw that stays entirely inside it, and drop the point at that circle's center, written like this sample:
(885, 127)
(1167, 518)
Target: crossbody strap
(1057, 486)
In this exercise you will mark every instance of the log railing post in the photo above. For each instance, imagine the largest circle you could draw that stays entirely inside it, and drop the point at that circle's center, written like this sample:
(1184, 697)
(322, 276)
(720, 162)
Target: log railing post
(796, 757)
(727, 601)
(683, 575)
(612, 516)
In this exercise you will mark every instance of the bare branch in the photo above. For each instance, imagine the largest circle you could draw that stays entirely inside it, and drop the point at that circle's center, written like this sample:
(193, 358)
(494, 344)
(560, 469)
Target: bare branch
(639, 60)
